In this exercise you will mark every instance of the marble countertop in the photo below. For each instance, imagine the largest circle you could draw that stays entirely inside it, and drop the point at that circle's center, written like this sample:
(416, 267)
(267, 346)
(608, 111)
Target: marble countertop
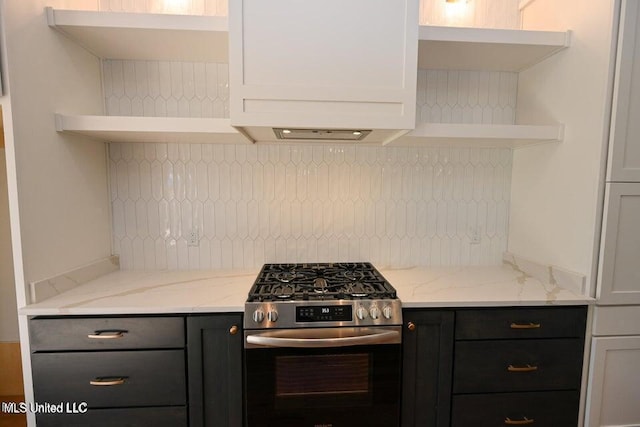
(139, 292)
(477, 286)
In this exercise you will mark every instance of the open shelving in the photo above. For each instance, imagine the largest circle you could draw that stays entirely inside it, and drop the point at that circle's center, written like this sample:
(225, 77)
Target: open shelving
(145, 36)
(486, 48)
(151, 129)
(482, 135)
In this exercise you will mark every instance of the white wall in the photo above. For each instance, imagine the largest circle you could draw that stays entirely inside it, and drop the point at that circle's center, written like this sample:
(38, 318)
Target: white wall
(471, 13)
(57, 185)
(8, 311)
(556, 188)
(62, 180)
(191, 7)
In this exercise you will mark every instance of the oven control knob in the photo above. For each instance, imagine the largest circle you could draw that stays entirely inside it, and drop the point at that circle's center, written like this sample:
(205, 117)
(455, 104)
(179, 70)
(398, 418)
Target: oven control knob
(387, 312)
(272, 315)
(362, 313)
(258, 315)
(374, 312)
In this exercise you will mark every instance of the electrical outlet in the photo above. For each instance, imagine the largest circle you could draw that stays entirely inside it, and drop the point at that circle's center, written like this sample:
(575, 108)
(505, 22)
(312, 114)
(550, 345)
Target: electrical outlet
(193, 239)
(476, 235)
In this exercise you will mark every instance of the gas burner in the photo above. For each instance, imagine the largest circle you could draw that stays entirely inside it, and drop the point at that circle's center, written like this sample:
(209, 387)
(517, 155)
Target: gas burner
(359, 290)
(287, 276)
(320, 286)
(283, 292)
(354, 275)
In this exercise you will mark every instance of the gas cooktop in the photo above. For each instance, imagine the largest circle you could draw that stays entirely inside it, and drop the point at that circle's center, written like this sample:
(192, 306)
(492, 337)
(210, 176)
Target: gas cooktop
(321, 295)
(320, 282)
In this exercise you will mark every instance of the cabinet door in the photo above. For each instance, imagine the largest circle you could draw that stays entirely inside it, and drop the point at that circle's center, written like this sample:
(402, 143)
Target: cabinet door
(337, 69)
(619, 275)
(614, 382)
(624, 149)
(214, 357)
(427, 345)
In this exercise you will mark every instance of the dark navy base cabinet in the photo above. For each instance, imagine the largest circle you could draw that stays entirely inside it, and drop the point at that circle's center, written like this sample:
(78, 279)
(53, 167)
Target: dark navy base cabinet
(214, 348)
(492, 366)
(427, 367)
(140, 371)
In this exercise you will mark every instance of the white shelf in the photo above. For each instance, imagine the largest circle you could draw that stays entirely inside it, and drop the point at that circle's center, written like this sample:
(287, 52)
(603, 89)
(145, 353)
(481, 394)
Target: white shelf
(151, 129)
(481, 135)
(461, 48)
(117, 35)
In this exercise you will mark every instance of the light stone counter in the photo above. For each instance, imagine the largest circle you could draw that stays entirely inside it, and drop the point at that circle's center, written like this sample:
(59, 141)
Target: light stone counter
(135, 292)
(143, 292)
(477, 287)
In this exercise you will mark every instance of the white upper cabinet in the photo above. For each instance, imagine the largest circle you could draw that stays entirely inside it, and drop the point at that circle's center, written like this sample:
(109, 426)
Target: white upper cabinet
(324, 64)
(624, 146)
(619, 275)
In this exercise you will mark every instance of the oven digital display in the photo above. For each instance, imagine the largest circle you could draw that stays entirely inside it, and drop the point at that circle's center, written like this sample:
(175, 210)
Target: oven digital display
(318, 313)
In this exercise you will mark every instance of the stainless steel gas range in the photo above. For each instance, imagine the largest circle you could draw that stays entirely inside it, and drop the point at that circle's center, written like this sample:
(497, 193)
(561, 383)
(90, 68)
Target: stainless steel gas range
(322, 347)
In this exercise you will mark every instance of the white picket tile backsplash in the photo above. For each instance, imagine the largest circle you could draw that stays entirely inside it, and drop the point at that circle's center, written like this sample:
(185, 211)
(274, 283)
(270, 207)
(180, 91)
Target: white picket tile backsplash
(165, 89)
(196, 89)
(472, 97)
(303, 203)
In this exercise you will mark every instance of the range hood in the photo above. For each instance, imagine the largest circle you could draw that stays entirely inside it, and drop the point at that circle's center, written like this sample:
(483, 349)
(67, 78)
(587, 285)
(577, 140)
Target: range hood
(322, 134)
(331, 70)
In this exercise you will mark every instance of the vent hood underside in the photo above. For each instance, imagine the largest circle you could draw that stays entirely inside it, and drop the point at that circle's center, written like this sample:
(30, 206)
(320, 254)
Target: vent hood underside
(322, 134)
(261, 134)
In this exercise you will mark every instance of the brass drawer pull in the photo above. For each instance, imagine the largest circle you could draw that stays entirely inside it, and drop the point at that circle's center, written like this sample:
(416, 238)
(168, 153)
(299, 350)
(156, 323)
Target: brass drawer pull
(106, 335)
(523, 422)
(411, 326)
(528, 368)
(233, 330)
(108, 381)
(529, 325)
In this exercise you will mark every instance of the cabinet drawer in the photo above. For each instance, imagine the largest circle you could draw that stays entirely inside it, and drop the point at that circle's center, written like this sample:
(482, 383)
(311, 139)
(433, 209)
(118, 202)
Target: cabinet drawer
(151, 378)
(516, 323)
(517, 365)
(106, 333)
(548, 409)
(129, 417)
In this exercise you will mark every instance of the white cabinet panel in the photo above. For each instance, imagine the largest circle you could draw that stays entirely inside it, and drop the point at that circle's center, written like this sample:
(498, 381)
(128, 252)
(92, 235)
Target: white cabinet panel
(616, 320)
(619, 273)
(624, 150)
(303, 65)
(615, 382)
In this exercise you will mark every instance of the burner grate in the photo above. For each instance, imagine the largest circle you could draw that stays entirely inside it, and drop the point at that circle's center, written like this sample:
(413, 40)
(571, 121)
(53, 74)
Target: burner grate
(331, 281)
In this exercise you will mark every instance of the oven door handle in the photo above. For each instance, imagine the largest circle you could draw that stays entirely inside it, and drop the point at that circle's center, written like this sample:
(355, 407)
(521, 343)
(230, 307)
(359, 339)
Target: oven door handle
(269, 339)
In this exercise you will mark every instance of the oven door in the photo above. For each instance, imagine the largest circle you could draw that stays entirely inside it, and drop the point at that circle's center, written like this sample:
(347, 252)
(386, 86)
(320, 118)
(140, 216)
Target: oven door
(323, 377)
